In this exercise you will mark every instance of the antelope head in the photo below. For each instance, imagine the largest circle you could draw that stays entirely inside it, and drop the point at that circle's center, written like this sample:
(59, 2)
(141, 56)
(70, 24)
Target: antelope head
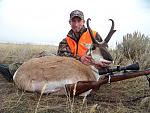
(99, 50)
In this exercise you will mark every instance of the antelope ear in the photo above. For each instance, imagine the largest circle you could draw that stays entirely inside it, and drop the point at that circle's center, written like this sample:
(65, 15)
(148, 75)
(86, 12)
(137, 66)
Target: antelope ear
(88, 46)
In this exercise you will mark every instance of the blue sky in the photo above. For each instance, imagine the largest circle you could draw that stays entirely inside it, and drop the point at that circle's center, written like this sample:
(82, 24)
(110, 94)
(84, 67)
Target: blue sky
(46, 21)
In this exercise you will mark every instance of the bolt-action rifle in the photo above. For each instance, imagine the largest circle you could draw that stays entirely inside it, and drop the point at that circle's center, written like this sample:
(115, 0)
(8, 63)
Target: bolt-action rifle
(130, 71)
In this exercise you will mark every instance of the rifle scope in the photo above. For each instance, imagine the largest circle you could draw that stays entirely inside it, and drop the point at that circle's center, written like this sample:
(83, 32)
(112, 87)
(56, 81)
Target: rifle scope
(134, 67)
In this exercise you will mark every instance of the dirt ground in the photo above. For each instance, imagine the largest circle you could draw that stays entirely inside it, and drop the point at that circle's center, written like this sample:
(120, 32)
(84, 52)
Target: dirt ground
(128, 96)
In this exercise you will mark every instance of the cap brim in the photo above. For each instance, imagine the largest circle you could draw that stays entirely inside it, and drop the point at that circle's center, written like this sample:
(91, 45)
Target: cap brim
(76, 16)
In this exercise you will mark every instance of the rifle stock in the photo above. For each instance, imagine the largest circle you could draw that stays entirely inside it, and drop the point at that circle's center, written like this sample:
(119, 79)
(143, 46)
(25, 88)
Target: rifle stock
(83, 86)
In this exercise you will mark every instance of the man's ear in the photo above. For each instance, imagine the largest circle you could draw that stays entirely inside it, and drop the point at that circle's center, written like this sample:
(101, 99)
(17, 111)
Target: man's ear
(70, 22)
(83, 21)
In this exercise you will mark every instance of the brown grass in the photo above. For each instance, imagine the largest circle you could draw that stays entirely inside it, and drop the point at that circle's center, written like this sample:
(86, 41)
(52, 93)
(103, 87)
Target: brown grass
(10, 53)
(121, 97)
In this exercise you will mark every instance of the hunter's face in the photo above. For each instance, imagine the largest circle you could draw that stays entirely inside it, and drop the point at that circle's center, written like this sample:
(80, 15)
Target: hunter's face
(76, 24)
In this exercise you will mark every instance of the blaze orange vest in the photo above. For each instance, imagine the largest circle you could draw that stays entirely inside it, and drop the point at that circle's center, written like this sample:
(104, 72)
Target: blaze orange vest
(80, 49)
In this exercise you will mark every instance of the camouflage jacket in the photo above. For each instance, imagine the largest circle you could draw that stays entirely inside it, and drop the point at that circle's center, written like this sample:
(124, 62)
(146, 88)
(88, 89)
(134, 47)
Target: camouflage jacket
(64, 49)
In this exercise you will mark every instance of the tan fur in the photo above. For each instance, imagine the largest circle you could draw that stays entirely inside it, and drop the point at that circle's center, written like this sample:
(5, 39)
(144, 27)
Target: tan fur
(40, 71)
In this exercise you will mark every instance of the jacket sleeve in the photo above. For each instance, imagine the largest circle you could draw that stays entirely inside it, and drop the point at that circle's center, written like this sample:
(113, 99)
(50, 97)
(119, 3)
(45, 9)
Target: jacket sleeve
(64, 49)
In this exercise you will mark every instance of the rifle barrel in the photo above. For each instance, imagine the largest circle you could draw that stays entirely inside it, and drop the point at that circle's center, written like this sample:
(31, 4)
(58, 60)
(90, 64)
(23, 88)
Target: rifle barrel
(128, 75)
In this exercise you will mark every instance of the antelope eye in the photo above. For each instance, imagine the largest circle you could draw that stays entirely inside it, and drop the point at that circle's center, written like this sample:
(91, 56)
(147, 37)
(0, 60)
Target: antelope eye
(93, 47)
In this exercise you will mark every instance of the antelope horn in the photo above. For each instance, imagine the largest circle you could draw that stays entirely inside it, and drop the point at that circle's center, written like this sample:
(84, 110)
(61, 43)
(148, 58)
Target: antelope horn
(91, 33)
(111, 32)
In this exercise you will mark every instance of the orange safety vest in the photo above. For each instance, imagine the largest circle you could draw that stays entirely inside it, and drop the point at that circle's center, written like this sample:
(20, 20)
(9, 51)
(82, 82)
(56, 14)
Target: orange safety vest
(80, 49)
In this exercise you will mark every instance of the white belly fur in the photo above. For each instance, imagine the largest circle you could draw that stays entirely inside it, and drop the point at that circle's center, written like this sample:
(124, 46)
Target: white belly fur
(52, 87)
(49, 87)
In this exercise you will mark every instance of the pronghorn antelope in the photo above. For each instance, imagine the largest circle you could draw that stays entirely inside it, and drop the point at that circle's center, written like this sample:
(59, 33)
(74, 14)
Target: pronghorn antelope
(51, 73)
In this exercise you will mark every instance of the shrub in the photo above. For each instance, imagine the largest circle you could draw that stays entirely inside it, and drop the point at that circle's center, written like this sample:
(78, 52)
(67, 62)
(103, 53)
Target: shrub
(134, 48)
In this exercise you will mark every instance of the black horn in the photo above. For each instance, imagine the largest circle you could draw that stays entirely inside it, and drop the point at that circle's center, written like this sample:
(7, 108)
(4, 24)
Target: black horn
(111, 32)
(90, 31)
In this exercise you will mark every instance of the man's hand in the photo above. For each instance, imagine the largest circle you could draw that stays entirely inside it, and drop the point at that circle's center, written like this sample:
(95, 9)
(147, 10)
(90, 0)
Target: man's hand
(87, 60)
(102, 64)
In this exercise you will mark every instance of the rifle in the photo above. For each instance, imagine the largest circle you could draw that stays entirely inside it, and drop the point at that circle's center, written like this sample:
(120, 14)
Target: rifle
(83, 86)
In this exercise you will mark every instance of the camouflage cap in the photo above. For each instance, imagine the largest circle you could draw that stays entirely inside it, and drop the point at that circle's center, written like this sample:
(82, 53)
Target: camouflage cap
(76, 13)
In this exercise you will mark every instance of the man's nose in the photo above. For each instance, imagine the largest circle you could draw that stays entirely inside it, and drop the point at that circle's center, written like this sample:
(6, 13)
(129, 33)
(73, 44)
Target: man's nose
(76, 23)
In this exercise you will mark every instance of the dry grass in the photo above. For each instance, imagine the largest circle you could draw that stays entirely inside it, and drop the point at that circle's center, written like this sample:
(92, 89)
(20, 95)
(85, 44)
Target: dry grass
(128, 96)
(10, 53)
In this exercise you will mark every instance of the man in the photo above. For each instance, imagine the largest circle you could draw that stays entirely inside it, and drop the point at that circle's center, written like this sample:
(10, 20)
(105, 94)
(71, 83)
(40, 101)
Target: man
(70, 46)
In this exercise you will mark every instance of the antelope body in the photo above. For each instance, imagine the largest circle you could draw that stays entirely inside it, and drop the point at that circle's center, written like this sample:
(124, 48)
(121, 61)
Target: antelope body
(51, 73)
